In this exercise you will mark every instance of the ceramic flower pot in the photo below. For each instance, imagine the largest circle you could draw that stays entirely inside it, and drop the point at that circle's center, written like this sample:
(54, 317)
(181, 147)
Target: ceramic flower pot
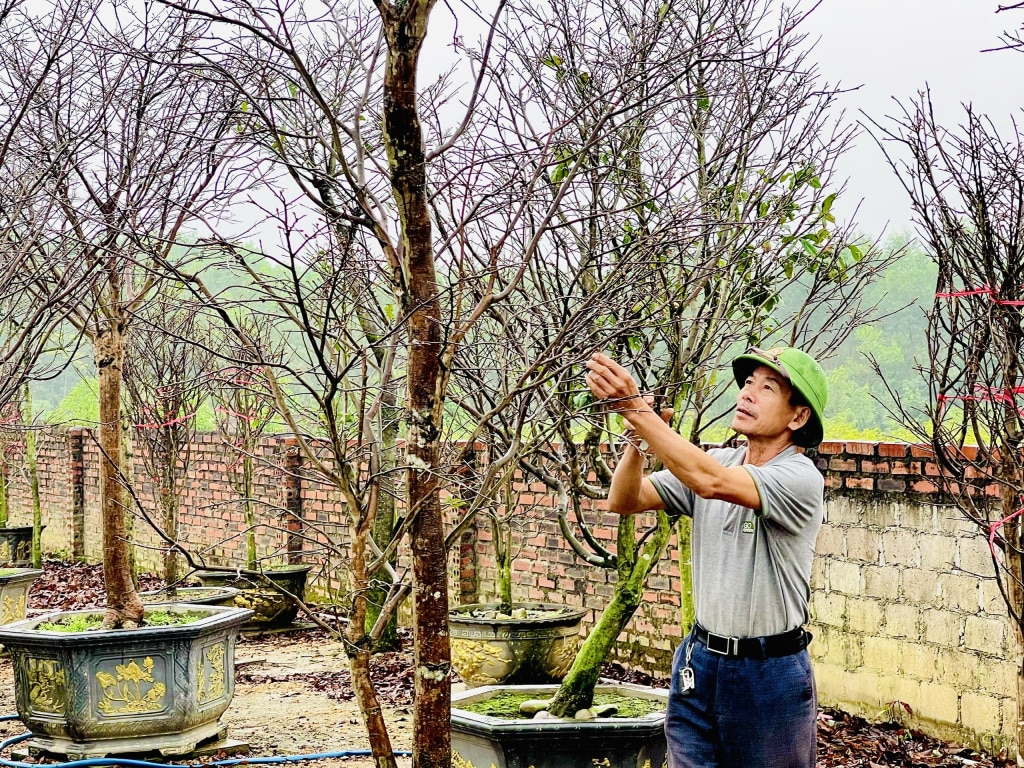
(104, 692)
(270, 608)
(536, 643)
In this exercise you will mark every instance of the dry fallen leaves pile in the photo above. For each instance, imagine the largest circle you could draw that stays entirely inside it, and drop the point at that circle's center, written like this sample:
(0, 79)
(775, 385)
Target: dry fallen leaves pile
(843, 740)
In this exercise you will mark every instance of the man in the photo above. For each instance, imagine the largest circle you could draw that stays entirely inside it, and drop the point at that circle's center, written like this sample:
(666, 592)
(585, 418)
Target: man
(743, 692)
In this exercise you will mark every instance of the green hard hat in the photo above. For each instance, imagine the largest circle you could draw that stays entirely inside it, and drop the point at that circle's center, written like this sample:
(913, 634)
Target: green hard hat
(803, 374)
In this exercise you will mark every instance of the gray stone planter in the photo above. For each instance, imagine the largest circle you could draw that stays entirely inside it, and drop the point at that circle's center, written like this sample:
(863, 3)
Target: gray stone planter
(270, 608)
(14, 586)
(493, 650)
(105, 692)
(16, 546)
(192, 595)
(480, 741)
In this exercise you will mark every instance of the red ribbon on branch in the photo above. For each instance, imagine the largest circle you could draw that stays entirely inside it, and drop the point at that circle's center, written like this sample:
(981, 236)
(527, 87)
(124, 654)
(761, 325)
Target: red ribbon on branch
(169, 423)
(988, 394)
(994, 528)
(983, 291)
(250, 416)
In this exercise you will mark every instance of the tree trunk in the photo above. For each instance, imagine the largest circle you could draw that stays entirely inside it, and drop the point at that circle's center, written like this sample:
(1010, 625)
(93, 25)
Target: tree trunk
(503, 566)
(32, 458)
(358, 648)
(124, 608)
(383, 530)
(248, 513)
(406, 27)
(577, 689)
(4, 493)
(687, 610)
(169, 508)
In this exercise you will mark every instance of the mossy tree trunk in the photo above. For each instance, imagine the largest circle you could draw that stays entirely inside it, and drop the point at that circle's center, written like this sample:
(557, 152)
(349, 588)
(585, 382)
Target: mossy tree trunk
(405, 28)
(5, 497)
(124, 608)
(687, 611)
(248, 512)
(633, 566)
(383, 531)
(32, 459)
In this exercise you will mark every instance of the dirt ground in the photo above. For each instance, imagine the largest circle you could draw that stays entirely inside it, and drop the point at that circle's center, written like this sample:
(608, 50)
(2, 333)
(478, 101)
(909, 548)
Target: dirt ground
(288, 700)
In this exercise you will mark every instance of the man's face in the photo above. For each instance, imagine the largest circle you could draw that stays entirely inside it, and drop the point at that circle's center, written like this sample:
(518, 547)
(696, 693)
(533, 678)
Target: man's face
(763, 408)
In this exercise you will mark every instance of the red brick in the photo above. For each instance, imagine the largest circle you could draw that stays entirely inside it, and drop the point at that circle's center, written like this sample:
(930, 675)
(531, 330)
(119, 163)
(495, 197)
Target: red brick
(879, 467)
(842, 465)
(831, 447)
(924, 486)
(904, 468)
(921, 451)
(860, 449)
(893, 450)
(862, 483)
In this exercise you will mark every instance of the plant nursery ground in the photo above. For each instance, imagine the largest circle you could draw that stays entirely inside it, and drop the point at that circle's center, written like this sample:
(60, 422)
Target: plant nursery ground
(293, 696)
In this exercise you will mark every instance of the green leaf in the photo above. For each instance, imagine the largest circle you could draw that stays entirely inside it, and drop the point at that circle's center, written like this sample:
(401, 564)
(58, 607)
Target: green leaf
(826, 205)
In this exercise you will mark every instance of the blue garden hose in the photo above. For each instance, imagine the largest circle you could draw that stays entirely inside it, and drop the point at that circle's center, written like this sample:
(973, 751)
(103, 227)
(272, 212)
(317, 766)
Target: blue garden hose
(110, 761)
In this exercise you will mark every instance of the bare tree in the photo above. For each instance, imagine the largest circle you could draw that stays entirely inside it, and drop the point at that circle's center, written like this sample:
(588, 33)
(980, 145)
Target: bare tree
(165, 377)
(676, 230)
(140, 147)
(28, 321)
(966, 186)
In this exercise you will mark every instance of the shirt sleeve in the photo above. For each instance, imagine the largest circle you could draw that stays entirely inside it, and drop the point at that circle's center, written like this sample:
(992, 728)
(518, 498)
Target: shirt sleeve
(677, 497)
(792, 492)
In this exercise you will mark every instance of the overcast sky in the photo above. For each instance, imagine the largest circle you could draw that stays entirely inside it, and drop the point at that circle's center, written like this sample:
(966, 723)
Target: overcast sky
(893, 48)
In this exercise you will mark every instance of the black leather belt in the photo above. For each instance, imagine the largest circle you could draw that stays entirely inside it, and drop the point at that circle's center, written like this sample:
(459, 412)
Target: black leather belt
(770, 647)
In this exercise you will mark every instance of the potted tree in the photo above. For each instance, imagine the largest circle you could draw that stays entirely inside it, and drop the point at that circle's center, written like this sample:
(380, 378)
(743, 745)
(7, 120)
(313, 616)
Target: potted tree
(512, 642)
(88, 258)
(243, 411)
(695, 291)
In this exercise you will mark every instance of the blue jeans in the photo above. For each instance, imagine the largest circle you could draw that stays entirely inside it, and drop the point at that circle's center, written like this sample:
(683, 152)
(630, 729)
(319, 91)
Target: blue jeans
(742, 713)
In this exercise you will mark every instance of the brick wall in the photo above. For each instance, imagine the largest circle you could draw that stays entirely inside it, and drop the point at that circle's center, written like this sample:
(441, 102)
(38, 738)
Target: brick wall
(903, 608)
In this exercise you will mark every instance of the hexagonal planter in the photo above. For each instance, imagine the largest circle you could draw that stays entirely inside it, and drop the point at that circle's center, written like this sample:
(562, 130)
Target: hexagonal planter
(105, 692)
(270, 608)
(491, 649)
(14, 586)
(481, 741)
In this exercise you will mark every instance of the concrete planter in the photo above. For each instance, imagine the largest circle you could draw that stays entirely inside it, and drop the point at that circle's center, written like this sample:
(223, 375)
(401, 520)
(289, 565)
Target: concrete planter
(270, 608)
(192, 595)
(480, 741)
(105, 692)
(488, 650)
(16, 546)
(14, 586)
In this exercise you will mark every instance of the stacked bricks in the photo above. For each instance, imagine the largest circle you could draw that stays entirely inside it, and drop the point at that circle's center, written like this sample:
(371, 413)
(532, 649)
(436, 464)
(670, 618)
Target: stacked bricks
(903, 607)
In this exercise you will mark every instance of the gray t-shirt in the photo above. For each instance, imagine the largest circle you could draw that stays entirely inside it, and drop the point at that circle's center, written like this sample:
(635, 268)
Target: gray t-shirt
(752, 570)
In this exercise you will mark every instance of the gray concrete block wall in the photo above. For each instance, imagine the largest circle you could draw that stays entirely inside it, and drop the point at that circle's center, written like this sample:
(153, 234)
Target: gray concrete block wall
(904, 610)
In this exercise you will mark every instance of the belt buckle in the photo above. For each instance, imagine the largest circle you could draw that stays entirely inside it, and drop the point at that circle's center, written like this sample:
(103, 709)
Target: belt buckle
(722, 645)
